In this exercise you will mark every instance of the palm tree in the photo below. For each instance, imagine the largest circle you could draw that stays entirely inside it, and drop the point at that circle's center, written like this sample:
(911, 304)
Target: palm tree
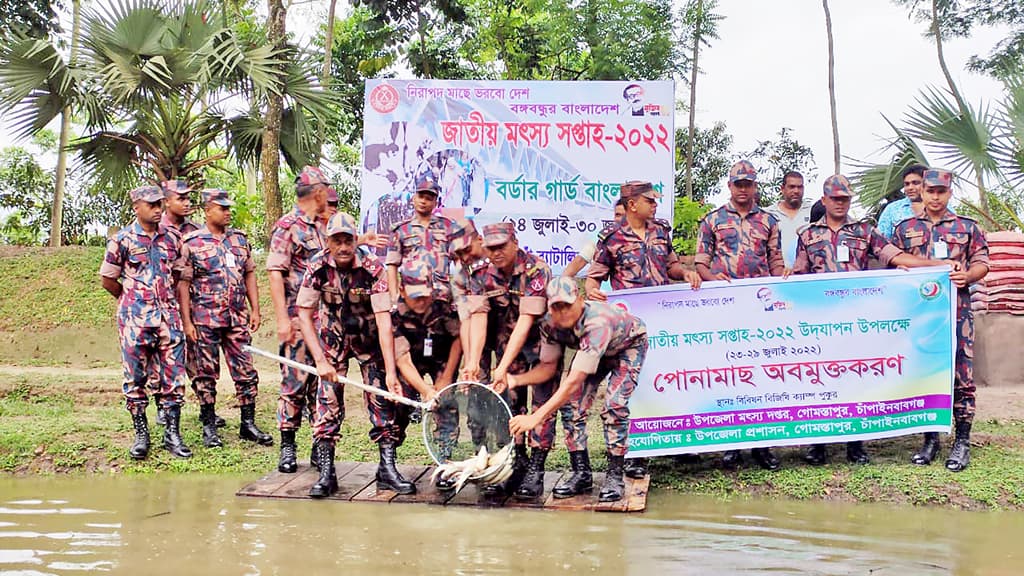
(701, 21)
(57, 214)
(162, 88)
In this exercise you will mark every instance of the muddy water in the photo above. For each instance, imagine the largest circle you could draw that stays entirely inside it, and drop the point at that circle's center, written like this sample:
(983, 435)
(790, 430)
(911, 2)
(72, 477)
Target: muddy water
(197, 526)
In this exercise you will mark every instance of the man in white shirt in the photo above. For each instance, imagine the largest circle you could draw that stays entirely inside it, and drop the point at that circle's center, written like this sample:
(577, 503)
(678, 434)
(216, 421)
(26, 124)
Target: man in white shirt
(793, 212)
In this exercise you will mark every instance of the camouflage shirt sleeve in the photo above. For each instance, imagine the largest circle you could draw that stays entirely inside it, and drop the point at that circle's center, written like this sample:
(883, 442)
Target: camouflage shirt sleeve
(113, 259)
(801, 264)
(279, 254)
(186, 270)
(312, 285)
(535, 299)
(881, 247)
(776, 263)
(705, 243)
(597, 335)
(977, 250)
(550, 349)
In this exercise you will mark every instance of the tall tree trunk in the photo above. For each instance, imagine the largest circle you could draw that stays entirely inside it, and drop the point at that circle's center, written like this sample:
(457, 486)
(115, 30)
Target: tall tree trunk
(980, 181)
(325, 75)
(270, 156)
(693, 102)
(832, 89)
(57, 212)
(421, 27)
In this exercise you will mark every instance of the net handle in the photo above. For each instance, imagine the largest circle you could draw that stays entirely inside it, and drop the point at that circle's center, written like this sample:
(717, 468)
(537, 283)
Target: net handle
(340, 379)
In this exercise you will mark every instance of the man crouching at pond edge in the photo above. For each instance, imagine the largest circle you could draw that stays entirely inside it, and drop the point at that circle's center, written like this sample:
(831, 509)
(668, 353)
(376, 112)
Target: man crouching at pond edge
(611, 343)
(138, 270)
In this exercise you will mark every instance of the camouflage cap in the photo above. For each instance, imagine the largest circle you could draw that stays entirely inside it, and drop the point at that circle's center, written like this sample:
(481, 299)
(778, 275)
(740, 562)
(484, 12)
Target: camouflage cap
(342, 223)
(309, 176)
(172, 187)
(498, 233)
(742, 170)
(462, 236)
(332, 195)
(562, 289)
(216, 196)
(417, 278)
(428, 185)
(837, 186)
(146, 194)
(635, 188)
(938, 177)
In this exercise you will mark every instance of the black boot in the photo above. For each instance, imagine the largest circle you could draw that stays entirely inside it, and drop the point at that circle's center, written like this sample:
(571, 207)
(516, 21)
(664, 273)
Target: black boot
(614, 486)
(218, 421)
(172, 435)
(928, 451)
(732, 459)
(161, 416)
(210, 437)
(140, 448)
(314, 458)
(856, 453)
(247, 430)
(581, 481)
(286, 463)
(960, 455)
(532, 485)
(327, 484)
(817, 455)
(765, 459)
(388, 477)
(520, 463)
(636, 468)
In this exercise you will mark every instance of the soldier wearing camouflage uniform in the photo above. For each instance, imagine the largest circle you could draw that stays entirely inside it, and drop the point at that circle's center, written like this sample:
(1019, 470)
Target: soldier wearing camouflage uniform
(836, 243)
(138, 270)
(218, 277)
(611, 343)
(505, 301)
(635, 252)
(740, 240)
(426, 330)
(353, 288)
(940, 234)
(422, 238)
(296, 237)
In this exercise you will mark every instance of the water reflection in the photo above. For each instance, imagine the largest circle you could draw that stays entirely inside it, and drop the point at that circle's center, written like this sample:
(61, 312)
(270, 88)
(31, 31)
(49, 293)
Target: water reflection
(190, 525)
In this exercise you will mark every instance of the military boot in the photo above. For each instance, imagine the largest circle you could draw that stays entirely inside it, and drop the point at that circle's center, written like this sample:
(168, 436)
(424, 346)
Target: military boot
(732, 459)
(581, 481)
(960, 455)
(636, 468)
(614, 485)
(140, 448)
(286, 463)
(247, 429)
(856, 454)
(928, 451)
(314, 458)
(388, 476)
(172, 434)
(765, 459)
(327, 484)
(817, 455)
(210, 437)
(161, 416)
(532, 485)
(520, 463)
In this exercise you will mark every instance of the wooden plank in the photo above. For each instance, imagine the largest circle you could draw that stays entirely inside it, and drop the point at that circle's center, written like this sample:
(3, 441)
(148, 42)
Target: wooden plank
(550, 479)
(635, 495)
(372, 494)
(299, 487)
(426, 492)
(353, 482)
(580, 502)
(267, 485)
(472, 494)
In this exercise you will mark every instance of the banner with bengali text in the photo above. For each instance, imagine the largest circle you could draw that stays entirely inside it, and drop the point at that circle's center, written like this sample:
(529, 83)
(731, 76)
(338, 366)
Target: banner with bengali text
(810, 359)
(546, 156)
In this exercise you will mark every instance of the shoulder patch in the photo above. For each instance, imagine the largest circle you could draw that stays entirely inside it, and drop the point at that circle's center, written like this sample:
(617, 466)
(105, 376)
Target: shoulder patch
(191, 235)
(607, 231)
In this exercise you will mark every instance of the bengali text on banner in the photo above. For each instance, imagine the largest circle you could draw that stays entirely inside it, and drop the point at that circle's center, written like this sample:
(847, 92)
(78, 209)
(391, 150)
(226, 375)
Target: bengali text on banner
(809, 359)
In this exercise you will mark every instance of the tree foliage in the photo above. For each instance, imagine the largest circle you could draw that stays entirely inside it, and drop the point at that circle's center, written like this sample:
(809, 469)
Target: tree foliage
(773, 158)
(34, 18)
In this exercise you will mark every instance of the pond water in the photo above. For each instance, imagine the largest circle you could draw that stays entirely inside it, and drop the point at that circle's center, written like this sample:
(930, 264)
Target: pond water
(184, 525)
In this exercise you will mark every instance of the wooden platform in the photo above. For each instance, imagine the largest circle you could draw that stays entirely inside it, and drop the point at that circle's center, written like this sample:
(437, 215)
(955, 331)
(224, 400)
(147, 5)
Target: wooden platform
(356, 483)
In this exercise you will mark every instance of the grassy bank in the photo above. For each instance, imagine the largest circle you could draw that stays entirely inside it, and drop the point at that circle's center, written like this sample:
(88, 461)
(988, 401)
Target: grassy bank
(61, 412)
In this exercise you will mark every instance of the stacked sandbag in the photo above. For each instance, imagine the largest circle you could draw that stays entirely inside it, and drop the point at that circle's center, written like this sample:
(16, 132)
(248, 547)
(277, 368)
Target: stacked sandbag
(1002, 289)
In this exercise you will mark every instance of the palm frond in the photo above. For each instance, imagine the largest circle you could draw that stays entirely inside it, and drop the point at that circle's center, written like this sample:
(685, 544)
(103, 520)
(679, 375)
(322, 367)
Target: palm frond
(874, 182)
(963, 142)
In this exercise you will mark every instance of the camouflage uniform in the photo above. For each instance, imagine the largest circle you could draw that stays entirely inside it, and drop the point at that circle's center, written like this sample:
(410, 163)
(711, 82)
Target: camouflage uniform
(504, 298)
(148, 317)
(186, 227)
(631, 261)
(817, 247)
(216, 269)
(611, 343)
(740, 246)
(966, 244)
(295, 239)
(350, 299)
(411, 241)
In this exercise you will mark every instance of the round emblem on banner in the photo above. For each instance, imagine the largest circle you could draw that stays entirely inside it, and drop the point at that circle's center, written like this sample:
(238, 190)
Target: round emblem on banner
(930, 290)
(620, 304)
(384, 98)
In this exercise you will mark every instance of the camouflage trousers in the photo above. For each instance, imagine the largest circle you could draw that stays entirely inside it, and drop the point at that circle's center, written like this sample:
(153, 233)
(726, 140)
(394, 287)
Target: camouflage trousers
(543, 436)
(446, 416)
(388, 420)
(158, 350)
(298, 389)
(623, 372)
(963, 389)
(203, 361)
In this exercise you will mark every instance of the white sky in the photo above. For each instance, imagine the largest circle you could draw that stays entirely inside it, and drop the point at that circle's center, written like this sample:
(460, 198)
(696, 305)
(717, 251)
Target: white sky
(769, 70)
